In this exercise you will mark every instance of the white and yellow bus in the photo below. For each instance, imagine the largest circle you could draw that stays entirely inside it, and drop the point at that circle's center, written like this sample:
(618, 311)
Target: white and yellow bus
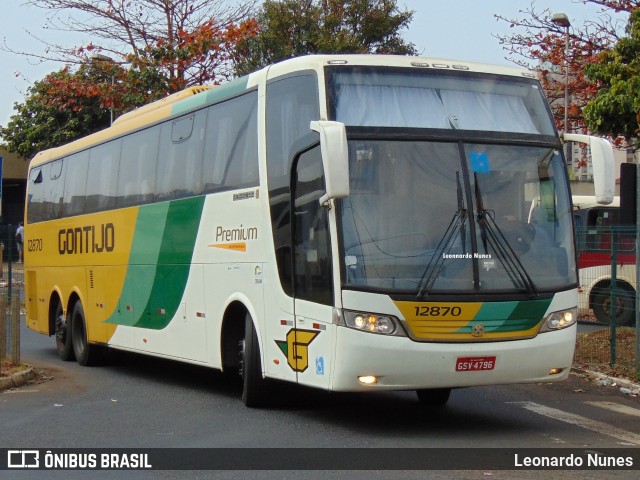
(352, 223)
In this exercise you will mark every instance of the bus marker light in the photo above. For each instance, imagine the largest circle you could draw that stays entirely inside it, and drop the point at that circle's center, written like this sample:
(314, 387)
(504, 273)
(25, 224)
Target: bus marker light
(368, 379)
(555, 371)
(276, 361)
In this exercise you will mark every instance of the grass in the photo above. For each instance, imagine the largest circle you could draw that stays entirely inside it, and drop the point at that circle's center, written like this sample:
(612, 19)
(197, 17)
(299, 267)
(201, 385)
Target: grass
(593, 352)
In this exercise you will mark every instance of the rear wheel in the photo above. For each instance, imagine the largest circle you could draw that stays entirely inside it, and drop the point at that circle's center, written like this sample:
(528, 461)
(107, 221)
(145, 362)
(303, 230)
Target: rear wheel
(254, 386)
(62, 333)
(434, 397)
(85, 352)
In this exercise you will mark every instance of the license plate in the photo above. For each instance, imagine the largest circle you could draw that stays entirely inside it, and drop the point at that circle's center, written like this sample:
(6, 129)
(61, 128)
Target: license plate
(475, 364)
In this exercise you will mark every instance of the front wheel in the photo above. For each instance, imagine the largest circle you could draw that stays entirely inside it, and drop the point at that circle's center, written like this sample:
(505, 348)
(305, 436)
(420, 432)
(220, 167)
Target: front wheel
(254, 386)
(434, 397)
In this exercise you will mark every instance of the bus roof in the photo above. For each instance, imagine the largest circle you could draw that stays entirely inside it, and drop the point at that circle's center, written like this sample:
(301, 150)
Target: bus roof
(197, 97)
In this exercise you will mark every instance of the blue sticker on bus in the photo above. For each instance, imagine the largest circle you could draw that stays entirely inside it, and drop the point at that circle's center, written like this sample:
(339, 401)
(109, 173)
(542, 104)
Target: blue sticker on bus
(479, 162)
(319, 365)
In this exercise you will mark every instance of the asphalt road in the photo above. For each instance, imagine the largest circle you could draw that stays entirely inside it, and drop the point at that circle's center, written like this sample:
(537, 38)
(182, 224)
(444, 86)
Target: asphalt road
(137, 402)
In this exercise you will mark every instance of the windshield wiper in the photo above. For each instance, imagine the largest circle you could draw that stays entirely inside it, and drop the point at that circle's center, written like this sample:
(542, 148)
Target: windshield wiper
(492, 236)
(435, 265)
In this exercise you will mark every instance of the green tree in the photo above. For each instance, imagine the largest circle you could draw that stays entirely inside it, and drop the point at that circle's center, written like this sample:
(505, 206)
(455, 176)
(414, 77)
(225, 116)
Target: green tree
(156, 48)
(615, 109)
(42, 121)
(289, 28)
(538, 43)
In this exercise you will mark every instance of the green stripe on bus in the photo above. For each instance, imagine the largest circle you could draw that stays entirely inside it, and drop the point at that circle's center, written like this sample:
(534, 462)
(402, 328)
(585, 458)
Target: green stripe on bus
(159, 263)
(509, 316)
(215, 95)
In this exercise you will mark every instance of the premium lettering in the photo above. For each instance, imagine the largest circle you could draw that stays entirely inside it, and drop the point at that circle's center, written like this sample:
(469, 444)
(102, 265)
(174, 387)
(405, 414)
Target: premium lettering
(236, 234)
(87, 239)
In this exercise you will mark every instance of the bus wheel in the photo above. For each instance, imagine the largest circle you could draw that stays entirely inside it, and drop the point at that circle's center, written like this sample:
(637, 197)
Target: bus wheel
(625, 311)
(84, 352)
(254, 386)
(63, 335)
(434, 397)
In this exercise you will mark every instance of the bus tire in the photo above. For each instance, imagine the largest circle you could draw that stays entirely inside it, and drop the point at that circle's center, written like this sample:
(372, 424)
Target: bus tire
(434, 397)
(85, 352)
(625, 311)
(254, 386)
(62, 332)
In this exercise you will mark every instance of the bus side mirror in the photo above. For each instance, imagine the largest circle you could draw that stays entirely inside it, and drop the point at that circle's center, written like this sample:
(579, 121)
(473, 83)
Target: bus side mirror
(603, 165)
(335, 158)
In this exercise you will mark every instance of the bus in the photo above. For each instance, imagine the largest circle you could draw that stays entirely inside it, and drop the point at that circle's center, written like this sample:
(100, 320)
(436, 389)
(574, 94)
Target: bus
(355, 223)
(595, 225)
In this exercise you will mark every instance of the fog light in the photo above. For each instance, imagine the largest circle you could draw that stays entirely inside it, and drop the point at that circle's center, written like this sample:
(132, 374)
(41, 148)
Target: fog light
(368, 379)
(555, 371)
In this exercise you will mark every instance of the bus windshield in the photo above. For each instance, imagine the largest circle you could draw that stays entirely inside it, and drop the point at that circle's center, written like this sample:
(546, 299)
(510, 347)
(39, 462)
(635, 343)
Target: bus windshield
(451, 214)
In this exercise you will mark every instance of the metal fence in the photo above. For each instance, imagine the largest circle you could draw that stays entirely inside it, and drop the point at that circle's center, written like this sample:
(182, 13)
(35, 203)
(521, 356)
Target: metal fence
(11, 297)
(607, 261)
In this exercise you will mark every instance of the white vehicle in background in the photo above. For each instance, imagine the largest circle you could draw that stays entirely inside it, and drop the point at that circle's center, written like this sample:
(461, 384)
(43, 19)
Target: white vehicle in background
(594, 238)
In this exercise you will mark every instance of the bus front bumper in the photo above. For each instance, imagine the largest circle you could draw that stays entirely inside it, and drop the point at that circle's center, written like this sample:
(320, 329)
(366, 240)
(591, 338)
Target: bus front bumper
(399, 363)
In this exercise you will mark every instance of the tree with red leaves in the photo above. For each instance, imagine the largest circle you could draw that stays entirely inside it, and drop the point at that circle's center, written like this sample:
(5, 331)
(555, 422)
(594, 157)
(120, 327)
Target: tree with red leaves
(154, 47)
(539, 43)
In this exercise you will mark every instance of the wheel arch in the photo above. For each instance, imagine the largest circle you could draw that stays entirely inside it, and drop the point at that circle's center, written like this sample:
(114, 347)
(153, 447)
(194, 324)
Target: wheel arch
(233, 332)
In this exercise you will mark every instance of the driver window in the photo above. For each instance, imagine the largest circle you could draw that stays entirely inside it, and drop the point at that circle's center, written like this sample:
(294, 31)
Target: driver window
(312, 260)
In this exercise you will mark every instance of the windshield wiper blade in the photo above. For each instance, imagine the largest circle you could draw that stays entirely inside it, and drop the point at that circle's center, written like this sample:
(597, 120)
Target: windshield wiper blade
(457, 223)
(493, 236)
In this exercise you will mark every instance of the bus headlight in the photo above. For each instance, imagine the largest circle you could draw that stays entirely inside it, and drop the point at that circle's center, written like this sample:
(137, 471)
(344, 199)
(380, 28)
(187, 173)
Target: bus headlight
(559, 320)
(372, 322)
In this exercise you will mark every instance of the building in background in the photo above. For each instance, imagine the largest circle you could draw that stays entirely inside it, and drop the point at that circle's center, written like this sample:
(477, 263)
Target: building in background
(14, 181)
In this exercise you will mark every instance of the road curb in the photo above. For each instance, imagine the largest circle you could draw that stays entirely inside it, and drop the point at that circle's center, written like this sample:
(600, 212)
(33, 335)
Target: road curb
(614, 381)
(17, 379)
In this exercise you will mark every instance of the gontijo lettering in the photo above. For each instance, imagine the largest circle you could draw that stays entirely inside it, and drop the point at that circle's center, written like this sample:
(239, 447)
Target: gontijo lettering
(87, 239)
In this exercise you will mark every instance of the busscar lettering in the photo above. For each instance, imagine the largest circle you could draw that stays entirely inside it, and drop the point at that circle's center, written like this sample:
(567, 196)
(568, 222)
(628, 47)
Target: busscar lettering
(87, 239)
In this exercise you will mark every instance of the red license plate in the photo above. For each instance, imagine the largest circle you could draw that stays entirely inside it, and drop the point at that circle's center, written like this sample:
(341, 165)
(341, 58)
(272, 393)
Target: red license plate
(475, 364)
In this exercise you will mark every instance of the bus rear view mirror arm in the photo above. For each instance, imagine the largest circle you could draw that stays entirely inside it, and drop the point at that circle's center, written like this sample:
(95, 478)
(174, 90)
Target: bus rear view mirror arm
(335, 158)
(603, 165)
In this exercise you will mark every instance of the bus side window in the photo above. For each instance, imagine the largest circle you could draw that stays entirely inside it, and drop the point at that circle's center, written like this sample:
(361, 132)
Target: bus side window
(137, 176)
(179, 172)
(35, 200)
(231, 144)
(54, 186)
(75, 184)
(102, 179)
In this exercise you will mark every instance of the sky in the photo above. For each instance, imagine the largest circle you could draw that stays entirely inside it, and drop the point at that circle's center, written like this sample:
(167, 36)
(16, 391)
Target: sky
(452, 29)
